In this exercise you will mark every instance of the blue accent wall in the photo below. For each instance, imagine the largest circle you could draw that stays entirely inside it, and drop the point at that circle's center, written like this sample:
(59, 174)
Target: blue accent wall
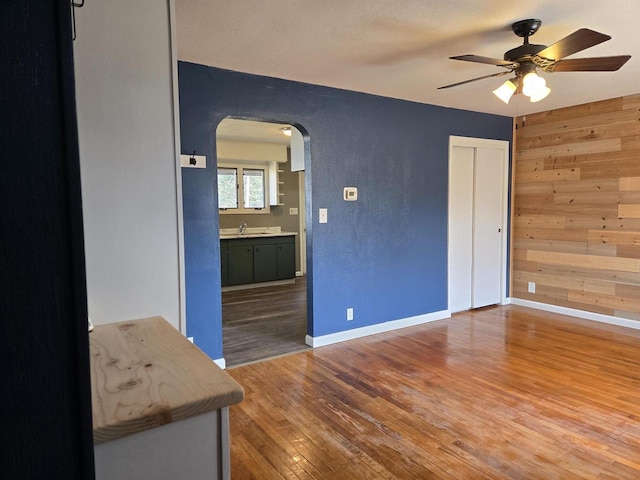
(385, 255)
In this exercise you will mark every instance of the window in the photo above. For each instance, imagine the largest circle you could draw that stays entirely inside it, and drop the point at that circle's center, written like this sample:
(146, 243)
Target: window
(252, 190)
(227, 188)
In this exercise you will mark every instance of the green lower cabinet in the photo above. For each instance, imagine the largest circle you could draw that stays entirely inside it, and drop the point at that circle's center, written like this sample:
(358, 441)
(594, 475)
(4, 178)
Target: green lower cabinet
(286, 260)
(264, 263)
(254, 260)
(240, 264)
(224, 262)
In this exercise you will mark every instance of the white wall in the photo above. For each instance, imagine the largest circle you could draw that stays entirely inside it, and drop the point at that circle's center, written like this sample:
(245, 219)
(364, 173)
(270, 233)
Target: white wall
(126, 104)
(250, 151)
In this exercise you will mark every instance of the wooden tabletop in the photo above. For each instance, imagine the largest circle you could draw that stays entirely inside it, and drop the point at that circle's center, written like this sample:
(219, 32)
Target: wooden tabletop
(145, 374)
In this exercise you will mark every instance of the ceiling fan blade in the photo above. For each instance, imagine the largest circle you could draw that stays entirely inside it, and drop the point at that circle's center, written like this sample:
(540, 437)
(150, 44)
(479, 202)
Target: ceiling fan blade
(594, 64)
(573, 43)
(499, 74)
(486, 60)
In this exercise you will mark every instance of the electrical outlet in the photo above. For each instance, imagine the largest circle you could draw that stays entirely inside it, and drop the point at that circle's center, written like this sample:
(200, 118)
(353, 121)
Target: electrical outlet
(531, 288)
(349, 314)
(322, 215)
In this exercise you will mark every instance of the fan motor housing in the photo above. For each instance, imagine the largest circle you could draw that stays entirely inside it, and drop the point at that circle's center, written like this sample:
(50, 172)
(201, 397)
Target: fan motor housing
(523, 51)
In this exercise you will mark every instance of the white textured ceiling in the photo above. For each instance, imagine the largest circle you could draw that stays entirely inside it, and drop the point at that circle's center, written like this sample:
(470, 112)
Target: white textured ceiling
(249, 131)
(400, 48)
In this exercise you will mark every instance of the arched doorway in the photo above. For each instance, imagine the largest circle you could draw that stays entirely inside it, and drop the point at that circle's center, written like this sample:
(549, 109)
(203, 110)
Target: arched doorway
(261, 200)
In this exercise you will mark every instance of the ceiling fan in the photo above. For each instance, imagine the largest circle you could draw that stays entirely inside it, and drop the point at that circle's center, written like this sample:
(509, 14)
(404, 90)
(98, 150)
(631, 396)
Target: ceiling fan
(523, 61)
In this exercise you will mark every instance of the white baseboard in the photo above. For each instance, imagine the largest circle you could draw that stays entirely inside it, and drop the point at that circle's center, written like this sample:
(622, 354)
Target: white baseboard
(596, 317)
(221, 363)
(373, 329)
(247, 286)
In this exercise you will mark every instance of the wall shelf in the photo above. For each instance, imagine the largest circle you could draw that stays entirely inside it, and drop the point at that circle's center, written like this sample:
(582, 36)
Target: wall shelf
(275, 184)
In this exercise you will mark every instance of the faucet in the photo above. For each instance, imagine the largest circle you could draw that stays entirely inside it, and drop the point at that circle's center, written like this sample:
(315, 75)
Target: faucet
(242, 227)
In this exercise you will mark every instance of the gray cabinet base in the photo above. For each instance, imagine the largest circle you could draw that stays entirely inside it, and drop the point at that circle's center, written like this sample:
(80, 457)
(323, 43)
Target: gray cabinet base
(194, 448)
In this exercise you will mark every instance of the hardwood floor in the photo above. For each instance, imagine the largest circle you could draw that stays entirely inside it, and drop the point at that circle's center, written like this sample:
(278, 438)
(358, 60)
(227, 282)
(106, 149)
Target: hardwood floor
(497, 393)
(264, 322)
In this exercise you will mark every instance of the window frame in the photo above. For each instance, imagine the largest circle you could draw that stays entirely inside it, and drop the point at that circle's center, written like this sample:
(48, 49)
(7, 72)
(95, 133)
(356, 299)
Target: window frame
(240, 167)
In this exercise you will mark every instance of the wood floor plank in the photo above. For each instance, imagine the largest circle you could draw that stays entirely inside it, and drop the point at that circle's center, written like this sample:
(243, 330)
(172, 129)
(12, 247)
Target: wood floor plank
(264, 322)
(495, 393)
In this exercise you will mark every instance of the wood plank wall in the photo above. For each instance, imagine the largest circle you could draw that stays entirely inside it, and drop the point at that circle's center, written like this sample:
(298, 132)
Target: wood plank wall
(576, 216)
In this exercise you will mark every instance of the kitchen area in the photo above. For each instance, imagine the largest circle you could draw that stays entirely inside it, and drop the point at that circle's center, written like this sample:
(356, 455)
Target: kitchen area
(262, 239)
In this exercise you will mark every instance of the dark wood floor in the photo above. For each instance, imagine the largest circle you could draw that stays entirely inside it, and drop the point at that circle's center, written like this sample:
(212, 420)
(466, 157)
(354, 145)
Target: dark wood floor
(264, 322)
(504, 392)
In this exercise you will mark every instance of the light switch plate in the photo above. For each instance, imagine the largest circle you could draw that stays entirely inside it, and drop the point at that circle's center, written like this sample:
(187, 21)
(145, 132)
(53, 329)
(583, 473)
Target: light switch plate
(322, 216)
(293, 211)
(187, 161)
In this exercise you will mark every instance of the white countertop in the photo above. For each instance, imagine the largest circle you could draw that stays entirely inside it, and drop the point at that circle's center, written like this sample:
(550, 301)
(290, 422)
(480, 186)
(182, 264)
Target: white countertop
(254, 232)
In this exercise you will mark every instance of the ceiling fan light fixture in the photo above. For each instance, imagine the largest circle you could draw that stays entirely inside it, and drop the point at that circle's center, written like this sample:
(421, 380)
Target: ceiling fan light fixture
(533, 85)
(505, 91)
(540, 94)
(524, 60)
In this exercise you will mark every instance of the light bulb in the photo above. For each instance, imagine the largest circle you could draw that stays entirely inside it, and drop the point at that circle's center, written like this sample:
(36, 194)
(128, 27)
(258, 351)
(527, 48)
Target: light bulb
(532, 84)
(540, 94)
(505, 91)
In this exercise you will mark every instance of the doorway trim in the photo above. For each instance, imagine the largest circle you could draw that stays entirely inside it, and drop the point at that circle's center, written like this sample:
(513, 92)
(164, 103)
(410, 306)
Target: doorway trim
(302, 236)
(504, 146)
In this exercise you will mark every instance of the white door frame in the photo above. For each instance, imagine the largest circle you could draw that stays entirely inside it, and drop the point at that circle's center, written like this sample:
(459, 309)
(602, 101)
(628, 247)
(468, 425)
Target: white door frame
(302, 237)
(503, 145)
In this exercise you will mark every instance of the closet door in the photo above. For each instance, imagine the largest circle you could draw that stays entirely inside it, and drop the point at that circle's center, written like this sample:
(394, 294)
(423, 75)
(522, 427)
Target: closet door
(460, 227)
(487, 226)
(476, 223)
